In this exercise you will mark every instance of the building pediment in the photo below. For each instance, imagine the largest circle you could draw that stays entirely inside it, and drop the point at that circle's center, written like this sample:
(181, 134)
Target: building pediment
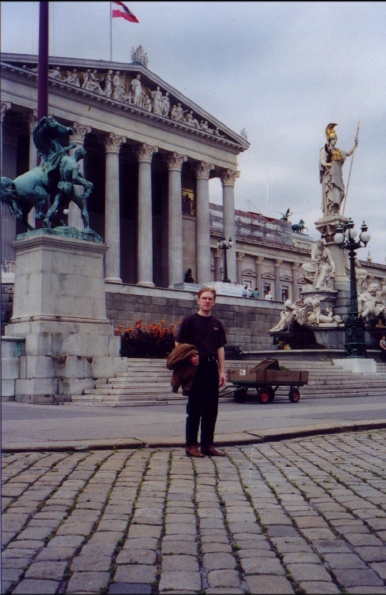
(268, 276)
(129, 87)
(286, 279)
(249, 273)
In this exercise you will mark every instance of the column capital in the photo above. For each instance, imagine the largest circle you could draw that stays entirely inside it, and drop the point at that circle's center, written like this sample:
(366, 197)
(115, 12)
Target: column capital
(112, 142)
(240, 255)
(5, 107)
(175, 161)
(145, 153)
(228, 177)
(31, 118)
(277, 262)
(295, 266)
(202, 170)
(259, 259)
(79, 132)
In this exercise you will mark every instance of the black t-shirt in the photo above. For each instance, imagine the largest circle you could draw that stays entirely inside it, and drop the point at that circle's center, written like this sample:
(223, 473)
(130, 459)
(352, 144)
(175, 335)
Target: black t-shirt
(206, 333)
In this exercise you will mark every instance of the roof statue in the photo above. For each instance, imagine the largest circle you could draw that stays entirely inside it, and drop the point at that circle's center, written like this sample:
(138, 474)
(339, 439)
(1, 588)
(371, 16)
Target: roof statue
(138, 56)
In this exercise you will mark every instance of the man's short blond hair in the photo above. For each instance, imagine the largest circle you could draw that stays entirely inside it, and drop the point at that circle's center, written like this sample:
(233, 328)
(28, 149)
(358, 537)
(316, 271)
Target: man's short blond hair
(203, 289)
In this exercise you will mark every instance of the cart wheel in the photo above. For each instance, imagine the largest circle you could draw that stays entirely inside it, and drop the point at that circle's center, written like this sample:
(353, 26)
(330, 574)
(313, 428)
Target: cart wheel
(240, 395)
(265, 395)
(294, 395)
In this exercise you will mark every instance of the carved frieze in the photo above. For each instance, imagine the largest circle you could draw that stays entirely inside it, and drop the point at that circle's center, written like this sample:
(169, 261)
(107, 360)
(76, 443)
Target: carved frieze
(134, 90)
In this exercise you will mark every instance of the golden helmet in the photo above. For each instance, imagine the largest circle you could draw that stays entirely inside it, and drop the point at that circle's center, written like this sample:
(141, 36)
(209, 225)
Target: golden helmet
(330, 132)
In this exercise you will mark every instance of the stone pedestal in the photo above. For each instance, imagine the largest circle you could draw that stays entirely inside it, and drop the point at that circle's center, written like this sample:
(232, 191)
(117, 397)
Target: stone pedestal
(60, 310)
(327, 228)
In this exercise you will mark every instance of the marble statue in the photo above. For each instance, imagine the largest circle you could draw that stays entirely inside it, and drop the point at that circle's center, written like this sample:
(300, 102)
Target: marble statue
(91, 82)
(157, 101)
(177, 113)
(316, 317)
(321, 268)
(330, 167)
(286, 315)
(72, 78)
(190, 120)
(372, 303)
(136, 87)
(306, 312)
(108, 88)
(165, 104)
(55, 73)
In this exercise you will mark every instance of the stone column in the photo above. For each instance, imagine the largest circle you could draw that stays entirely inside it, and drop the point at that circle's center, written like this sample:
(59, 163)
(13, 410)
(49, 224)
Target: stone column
(277, 290)
(259, 261)
(8, 169)
(112, 144)
(295, 286)
(239, 267)
(202, 171)
(32, 118)
(228, 179)
(217, 265)
(145, 216)
(175, 248)
(79, 134)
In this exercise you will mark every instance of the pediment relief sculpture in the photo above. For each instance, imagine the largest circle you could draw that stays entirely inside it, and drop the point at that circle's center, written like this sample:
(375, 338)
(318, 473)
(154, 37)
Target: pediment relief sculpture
(137, 90)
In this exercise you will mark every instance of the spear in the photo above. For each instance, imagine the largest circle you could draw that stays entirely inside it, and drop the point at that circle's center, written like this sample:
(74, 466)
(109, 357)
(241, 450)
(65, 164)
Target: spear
(349, 174)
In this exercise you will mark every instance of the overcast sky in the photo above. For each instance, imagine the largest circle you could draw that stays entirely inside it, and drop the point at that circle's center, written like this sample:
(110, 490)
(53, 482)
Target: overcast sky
(281, 70)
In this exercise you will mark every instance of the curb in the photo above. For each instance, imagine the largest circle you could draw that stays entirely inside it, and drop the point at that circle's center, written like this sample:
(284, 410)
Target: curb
(239, 439)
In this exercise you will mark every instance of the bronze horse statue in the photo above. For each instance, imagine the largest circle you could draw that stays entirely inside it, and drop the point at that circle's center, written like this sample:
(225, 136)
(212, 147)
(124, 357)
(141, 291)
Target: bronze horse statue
(54, 177)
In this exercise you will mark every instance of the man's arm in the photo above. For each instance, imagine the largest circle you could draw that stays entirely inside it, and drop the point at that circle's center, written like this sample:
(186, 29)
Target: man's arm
(221, 365)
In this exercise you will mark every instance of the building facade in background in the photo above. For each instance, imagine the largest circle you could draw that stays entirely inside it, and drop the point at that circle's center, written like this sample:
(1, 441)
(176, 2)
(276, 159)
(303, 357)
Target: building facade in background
(152, 155)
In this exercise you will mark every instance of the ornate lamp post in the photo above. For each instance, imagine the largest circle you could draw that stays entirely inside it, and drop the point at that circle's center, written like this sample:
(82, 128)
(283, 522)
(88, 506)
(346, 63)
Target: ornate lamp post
(224, 246)
(354, 326)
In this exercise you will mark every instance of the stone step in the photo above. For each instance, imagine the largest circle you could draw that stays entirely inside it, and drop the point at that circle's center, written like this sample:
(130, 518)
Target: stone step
(147, 382)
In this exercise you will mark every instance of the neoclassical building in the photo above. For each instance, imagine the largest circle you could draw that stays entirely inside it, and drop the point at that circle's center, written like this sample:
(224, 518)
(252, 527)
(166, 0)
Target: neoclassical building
(151, 154)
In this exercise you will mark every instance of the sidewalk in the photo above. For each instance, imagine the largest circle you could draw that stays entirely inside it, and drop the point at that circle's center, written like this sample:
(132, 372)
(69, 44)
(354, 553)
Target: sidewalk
(300, 509)
(72, 427)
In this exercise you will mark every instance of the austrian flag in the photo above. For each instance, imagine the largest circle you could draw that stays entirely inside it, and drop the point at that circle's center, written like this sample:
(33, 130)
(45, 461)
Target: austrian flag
(121, 10)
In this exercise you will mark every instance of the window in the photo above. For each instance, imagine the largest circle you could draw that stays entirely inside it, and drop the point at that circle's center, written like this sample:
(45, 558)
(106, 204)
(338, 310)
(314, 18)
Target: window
(266, 288)
(284, 293)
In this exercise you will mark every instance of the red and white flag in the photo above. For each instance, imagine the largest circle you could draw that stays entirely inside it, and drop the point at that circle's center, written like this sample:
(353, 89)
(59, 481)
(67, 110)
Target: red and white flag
(121, 10)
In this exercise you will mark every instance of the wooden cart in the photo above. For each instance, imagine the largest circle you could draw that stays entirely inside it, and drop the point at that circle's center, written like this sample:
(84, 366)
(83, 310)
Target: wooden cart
(266, 382)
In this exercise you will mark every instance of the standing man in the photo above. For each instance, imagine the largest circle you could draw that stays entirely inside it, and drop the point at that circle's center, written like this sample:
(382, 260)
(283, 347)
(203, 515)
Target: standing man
(207, 334)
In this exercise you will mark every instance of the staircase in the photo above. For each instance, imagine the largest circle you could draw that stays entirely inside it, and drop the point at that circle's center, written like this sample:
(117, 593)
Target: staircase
(147, 382)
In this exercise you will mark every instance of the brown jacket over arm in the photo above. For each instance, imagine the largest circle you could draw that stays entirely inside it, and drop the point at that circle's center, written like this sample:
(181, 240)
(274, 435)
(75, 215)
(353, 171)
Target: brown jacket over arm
(183, 370)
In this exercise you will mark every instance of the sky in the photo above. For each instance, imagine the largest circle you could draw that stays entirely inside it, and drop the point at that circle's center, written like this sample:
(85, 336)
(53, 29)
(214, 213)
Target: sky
(280, 70)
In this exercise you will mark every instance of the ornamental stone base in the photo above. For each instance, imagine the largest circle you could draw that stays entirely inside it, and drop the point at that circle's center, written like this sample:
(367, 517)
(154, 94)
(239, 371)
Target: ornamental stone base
(59, 310)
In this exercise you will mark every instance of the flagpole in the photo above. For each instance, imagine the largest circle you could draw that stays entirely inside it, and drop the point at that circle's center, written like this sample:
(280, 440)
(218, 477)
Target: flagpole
(43, 60)
(111, 31)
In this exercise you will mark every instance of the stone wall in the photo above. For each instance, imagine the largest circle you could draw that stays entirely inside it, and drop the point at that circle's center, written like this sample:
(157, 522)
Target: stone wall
(246, 320)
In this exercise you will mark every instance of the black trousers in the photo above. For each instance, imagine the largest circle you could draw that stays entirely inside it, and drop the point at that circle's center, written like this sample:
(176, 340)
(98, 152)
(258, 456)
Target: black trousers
(202, 404)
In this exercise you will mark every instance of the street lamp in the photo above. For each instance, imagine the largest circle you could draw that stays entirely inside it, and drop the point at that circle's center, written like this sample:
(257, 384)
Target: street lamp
(224, 246)
(354, 326)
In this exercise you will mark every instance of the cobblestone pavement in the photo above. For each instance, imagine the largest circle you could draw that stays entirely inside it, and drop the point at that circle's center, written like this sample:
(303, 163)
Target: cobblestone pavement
(306, 515)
